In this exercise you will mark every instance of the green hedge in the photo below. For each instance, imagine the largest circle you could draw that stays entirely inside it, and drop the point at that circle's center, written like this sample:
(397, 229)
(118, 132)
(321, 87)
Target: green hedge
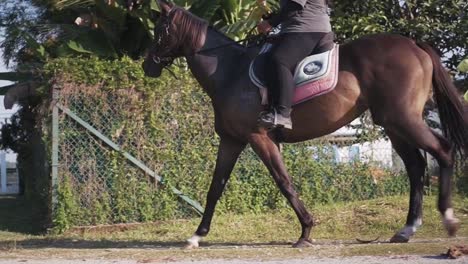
(168, 123)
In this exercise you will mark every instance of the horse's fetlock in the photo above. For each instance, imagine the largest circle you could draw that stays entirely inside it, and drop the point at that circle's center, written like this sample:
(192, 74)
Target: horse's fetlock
(309, 222)
(203, 231)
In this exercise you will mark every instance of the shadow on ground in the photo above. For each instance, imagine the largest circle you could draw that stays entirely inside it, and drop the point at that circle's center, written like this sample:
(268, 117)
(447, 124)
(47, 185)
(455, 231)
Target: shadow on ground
(19, 216)
(67, 243)
(70, 243)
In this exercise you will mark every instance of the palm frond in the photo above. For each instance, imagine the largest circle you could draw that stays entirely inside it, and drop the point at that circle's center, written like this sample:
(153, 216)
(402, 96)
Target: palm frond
(65, 4)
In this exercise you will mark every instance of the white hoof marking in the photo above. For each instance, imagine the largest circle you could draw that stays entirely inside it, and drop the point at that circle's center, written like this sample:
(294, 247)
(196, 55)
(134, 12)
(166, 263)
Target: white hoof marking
(449, 217)
(193, 241)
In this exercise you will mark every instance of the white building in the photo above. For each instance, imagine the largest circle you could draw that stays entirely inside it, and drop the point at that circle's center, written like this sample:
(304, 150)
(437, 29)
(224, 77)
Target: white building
(378, 152)
(9, 180)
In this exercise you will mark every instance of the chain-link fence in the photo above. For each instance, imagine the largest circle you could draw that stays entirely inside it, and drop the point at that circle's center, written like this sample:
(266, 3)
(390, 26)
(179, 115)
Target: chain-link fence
(107, 173)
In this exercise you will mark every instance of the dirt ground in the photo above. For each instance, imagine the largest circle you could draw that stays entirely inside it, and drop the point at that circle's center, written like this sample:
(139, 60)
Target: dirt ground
(349, 260)
(323, 252)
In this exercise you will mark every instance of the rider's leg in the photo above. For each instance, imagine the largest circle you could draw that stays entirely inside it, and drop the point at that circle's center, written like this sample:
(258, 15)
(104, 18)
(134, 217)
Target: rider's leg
(288, 50)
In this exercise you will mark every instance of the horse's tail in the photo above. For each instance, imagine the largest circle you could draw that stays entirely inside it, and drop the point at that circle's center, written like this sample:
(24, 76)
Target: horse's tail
(453, 118)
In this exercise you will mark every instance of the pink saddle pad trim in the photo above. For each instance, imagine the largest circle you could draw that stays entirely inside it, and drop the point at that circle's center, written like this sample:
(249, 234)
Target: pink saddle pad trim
(326, 84)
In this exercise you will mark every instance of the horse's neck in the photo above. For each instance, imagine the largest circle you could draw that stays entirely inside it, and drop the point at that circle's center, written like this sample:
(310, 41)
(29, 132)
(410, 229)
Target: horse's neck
(222, 58)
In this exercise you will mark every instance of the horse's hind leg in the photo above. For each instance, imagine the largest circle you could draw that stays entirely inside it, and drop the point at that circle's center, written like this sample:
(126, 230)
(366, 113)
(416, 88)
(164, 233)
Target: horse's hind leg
(417, 134)
(415, 166)
(269, 153)
(446, 165)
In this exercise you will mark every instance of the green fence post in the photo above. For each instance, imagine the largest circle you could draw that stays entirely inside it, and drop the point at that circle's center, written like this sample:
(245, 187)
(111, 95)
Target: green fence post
(55, 158)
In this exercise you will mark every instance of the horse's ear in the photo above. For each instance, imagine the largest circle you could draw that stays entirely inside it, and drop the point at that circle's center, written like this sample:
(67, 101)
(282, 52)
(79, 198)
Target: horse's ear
(165, 7)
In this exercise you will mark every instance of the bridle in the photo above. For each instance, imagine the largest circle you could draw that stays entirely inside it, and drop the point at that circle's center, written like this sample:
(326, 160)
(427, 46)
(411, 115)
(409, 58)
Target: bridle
(166, 61)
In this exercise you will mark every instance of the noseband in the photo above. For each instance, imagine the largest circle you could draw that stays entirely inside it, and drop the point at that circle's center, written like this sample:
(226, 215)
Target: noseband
(163, 60)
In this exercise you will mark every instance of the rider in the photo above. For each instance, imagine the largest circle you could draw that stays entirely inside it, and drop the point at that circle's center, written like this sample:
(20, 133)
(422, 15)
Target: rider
(304, 25)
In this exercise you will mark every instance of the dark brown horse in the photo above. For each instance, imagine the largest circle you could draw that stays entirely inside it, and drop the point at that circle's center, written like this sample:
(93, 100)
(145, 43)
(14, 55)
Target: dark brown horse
(390, 75)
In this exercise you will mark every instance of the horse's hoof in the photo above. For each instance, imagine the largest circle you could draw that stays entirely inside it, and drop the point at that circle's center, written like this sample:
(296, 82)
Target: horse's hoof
(399, 238)
(190, 245)
(193, 242)
(302, 243)
(452, 227)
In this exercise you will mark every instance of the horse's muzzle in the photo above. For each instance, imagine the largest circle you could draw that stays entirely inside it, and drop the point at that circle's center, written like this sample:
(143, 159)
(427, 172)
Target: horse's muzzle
(151, 69)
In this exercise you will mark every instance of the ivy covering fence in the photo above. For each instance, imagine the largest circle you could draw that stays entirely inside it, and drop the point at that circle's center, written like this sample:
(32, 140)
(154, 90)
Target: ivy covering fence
(167, 124)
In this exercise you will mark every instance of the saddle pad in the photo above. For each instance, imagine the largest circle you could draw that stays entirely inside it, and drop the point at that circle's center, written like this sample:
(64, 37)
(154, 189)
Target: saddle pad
(315, 75)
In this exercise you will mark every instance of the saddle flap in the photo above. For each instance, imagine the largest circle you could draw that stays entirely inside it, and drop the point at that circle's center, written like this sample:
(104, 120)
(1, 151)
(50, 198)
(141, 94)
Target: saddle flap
(315, 75)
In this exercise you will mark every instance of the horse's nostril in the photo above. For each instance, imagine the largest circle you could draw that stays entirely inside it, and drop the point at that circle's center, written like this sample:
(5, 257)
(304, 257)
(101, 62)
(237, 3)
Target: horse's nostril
(150, 69)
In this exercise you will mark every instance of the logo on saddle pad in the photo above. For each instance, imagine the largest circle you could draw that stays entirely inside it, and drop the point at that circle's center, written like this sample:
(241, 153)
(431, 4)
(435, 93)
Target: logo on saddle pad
(314, 76)
(313, 68)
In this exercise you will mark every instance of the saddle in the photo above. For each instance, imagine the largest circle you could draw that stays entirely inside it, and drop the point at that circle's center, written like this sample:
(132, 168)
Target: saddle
(315, 75)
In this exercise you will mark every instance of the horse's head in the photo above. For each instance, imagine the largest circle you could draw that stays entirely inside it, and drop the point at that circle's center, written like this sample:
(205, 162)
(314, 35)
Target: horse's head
(160, 53)
(177, 33)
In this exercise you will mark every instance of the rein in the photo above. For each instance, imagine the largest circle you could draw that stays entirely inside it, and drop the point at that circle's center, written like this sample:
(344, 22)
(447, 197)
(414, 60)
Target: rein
(262, 38)
(170, 59)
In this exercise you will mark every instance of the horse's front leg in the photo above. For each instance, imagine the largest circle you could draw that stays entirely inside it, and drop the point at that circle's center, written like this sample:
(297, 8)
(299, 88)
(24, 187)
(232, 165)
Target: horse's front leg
(269, 153)
(228, 153)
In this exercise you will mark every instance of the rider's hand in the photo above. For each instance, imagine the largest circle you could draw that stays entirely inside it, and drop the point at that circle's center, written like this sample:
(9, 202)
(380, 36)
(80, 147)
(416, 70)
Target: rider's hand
(264, 27)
